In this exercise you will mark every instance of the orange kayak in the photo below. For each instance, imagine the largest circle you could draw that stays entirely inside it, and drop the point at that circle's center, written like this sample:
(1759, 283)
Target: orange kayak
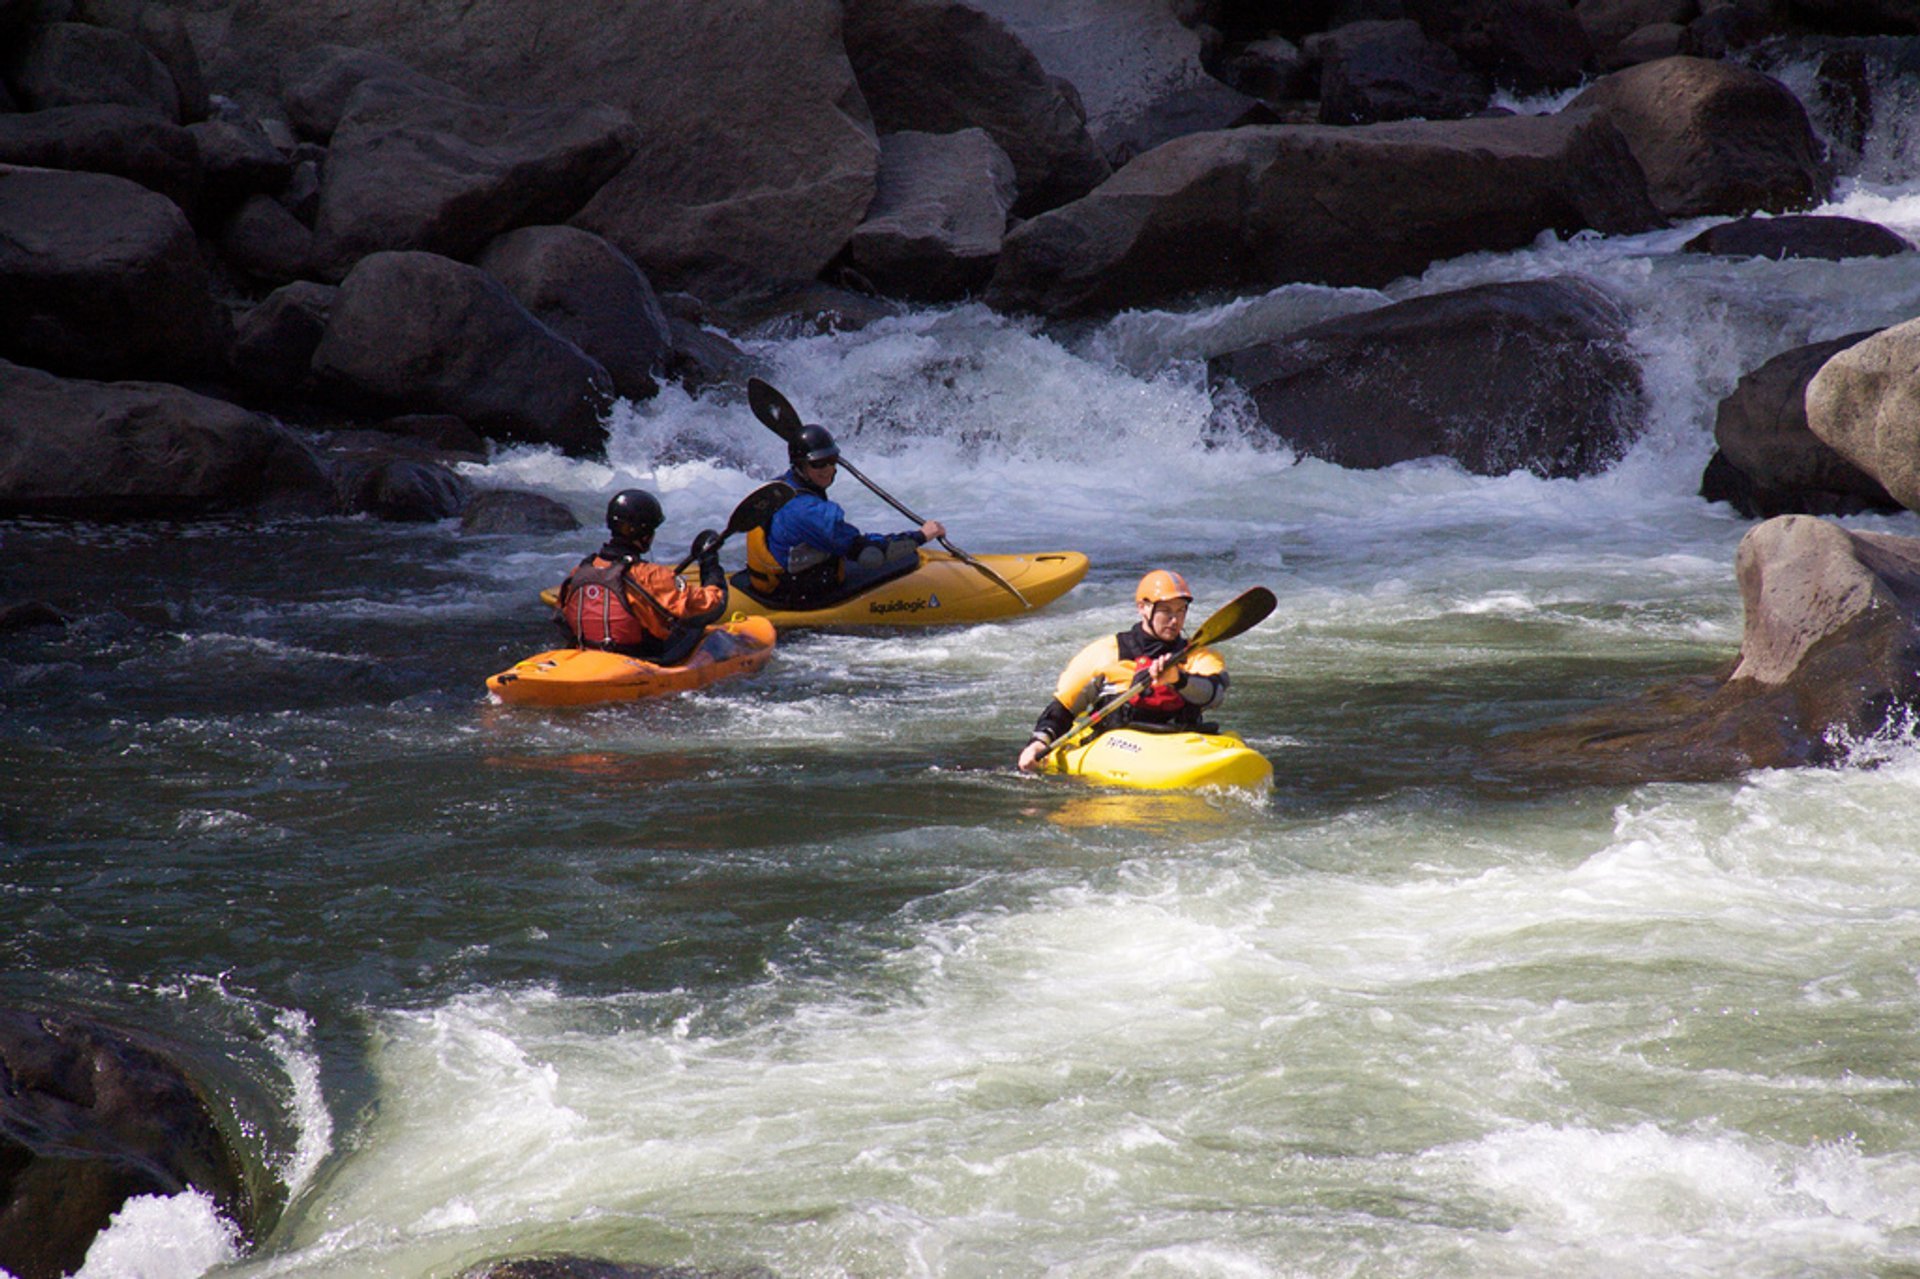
(583, 676)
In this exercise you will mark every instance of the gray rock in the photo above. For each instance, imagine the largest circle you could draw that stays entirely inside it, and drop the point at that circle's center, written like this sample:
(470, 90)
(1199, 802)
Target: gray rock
(1650, 43)
(1373, 71)
(1534, 46)
(400, 489)
(70, 64)
(414, 169)
(1195, 108)
(164, 33)
(415, 332)
(239, 161)
(1830, 653)
(941, 66)
(590, 293)
(1713, 137)
(101, 277)
(1531, 376)
(127, 142)
(510, 511)
(935, 227)
(1608, 22)
(103, 450)
(1865, 403)
(1274, 70)
(318, 81)
(266, 242)
(1762, 433)
(1258, 207)
(275, 340)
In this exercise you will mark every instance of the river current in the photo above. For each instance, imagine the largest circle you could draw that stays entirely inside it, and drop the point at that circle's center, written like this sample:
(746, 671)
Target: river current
(798, 973)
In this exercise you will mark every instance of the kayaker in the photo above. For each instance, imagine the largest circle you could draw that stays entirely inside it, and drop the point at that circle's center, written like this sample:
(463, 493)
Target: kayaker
(618, 601)
(1182, 683)
(808, 553)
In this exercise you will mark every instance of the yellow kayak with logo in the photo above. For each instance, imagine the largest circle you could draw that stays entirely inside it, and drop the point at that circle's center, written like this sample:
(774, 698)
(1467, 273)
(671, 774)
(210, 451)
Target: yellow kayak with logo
(1147, 760)
(941, 590)
(585, 676)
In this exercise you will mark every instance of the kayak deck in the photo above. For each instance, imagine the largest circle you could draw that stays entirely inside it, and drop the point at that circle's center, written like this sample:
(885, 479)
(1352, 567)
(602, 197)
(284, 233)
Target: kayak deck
(586, 676)
(1164, 761)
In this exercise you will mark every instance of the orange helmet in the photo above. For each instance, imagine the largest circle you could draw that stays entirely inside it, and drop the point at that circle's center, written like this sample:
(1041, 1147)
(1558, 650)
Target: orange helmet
(1161, 584)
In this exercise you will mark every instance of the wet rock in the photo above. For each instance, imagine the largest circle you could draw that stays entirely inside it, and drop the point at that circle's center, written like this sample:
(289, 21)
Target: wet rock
(590, 293)
(70, 64)
(274, 341)
(1829, 656)
(415, 332)
(1713, 137)
(941, 66)
(1373, 71)
(574, 1267)
(90, 1116)
(29, 614)
(936, 223)
(702, 358)
(100, 277)
(1799, 236)
(1722, 30)
(442, 434)
(1260, 207)
(143, 450)
(1762, 433)
(510, 511)
(1608, 22)
(400, 489)
(126, 142)
(411, 168)
(1865, 403)
(1531, 376)
(1844, 87)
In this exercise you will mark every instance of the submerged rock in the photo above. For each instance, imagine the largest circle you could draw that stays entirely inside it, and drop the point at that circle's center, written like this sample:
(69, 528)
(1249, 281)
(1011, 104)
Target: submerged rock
(1532, 376)
(1799, 236)
(1830, 656)
(90, 1116)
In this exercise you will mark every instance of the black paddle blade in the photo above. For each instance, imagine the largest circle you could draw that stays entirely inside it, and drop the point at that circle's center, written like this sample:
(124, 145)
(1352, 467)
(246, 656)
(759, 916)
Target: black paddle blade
(758, 507)
(773, 410)
(1240, 614)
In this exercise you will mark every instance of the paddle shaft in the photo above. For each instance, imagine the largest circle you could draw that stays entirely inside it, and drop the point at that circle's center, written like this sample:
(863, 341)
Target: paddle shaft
(899, 506)
(1238, 615)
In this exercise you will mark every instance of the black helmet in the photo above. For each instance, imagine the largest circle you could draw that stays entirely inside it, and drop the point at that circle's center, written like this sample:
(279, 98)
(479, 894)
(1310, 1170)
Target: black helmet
(634, 514)
(812, 444)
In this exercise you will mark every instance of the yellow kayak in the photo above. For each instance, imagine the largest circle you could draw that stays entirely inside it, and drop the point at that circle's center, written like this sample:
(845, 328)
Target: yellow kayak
(1164, 761)
(942, 590)
(582, 676)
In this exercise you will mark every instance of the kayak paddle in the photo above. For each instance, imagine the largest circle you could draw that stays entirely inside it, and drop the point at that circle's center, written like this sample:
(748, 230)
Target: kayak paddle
(754, 510)
(777, 414)
(1238, 615)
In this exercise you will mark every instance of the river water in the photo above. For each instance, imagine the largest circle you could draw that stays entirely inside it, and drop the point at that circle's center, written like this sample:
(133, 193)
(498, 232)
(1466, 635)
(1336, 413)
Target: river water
(798, 973)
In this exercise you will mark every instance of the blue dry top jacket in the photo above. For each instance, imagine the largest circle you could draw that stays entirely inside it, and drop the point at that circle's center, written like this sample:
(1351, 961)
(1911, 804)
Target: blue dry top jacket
(810, 518)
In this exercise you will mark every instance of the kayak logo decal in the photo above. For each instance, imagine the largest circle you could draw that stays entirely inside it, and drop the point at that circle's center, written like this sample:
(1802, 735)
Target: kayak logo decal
(881, 609)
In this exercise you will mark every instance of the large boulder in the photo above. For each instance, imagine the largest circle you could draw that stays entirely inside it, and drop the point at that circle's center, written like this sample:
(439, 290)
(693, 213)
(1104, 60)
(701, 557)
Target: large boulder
(164, 33)
(1799, 235)
(100, 277)
(1535, 46)
(142, 450)
(1373, 71)
(416, 332)
(1122, 57)
(1783, 467)
(411, 168)
(1263, 206)
(590, 293)
(70, 64)
(935, 227)
(1713, 137)
(1830, 656)
(318, 81)
(90, 1116)
(274, 341)
(941, 66)
(126, 142)
(1865, 403)
(1533, 376)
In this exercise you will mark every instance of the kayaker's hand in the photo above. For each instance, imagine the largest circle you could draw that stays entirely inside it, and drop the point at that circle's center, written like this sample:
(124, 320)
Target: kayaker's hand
(1030, 757)
(933, 530)
(707, 543)
(1156, 670)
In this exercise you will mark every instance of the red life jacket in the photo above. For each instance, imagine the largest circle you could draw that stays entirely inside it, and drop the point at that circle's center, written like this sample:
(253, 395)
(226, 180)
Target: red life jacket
(1160, 699)
(594, 603)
